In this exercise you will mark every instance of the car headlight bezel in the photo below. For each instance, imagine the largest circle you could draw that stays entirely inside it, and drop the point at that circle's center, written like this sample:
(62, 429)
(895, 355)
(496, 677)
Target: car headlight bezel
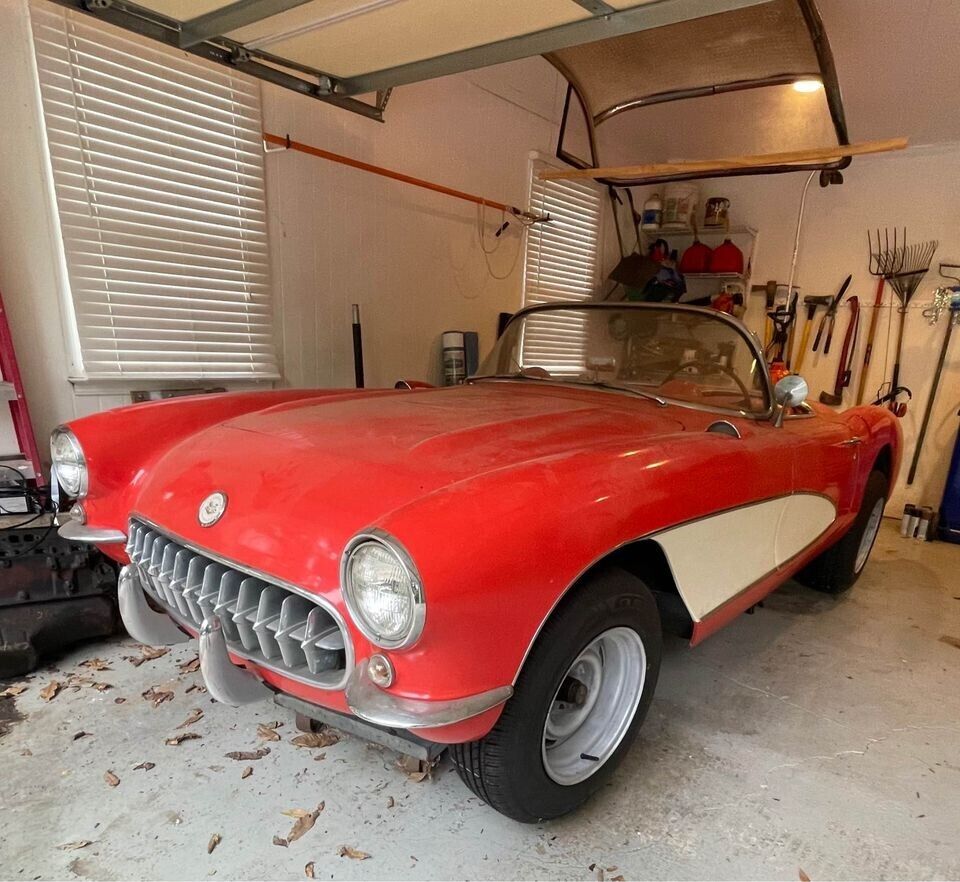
(415, 588)
(79, 488)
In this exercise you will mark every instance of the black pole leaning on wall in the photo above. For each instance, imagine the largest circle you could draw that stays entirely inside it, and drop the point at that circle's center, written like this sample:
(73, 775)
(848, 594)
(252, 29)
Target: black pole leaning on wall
(357, 347)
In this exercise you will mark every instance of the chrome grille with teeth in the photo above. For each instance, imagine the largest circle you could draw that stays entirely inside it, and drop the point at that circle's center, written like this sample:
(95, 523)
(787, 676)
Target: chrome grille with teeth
(267, 623)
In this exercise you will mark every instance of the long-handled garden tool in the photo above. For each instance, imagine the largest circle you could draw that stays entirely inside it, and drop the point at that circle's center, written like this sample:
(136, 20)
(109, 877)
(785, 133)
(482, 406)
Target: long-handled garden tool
(811, 302)
(871, 335)
(943, 298)
(846, 356)
(914, 261)
(782, 318)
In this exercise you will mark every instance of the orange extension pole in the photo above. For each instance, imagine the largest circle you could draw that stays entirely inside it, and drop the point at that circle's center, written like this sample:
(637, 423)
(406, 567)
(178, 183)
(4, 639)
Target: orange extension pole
(285, 141)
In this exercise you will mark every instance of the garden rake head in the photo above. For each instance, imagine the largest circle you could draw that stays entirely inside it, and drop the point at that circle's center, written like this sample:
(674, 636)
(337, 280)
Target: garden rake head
(916, 263)
(886, 258)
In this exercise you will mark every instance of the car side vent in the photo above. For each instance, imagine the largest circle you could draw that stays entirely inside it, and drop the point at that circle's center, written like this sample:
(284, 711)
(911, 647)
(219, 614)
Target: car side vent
(266, 623)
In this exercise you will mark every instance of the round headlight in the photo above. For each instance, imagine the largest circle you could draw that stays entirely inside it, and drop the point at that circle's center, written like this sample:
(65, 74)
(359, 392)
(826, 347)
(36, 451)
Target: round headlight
(69, 464)
(383, 591)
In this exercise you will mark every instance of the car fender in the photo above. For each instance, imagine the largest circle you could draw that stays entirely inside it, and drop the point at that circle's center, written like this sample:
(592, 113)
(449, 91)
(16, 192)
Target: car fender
(543, 525)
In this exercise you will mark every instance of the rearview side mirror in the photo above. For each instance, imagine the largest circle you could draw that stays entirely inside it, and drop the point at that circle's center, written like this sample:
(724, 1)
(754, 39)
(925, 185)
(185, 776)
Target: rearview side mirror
(790, 391)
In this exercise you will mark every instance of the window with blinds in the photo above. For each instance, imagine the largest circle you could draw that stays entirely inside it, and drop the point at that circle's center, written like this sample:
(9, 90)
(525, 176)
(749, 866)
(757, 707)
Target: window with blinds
(561, 266)
(158, 177)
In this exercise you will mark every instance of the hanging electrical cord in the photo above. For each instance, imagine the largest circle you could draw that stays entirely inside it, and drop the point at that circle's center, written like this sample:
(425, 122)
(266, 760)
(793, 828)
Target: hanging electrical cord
(504, 223)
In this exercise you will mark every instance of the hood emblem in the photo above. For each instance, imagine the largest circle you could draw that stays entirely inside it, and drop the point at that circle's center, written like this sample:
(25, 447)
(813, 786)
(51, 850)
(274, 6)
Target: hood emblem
(212, 509)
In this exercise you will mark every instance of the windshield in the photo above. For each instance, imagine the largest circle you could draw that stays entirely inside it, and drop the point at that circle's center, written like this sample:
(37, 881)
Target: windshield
(686, 355)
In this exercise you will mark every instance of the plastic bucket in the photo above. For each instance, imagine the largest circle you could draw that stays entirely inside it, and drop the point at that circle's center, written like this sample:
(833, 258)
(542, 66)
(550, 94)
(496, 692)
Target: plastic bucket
(680, 206)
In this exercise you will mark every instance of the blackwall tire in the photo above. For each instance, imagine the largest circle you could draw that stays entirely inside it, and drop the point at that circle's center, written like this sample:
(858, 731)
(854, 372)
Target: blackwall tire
(838, 568)
(534, 764)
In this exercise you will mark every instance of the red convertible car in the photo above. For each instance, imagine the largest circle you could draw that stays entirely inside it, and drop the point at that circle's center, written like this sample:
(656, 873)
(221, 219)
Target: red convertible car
(491, 566)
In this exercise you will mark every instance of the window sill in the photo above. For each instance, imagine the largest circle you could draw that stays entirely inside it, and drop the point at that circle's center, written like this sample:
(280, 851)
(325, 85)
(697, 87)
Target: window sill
(121, 385)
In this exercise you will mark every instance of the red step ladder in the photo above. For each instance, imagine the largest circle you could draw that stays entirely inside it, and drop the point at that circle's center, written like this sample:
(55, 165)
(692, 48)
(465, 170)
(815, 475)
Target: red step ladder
(11, 389)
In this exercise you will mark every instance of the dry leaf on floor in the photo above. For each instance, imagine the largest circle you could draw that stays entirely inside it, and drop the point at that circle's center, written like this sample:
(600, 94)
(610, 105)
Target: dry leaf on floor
(111, 779)
(390, 802)
(324, 738)
(618, 879)
(196, 687)
(157, 696)
(304, 821)
(96, 664)
(213, 843)
(267, 733)
(278, 841)
(11, 691)
(803, 876)
(320, 756)
(308, 870)
(49, 692)
(416, 770)
(145, 766)
(183, 736)
(195, 716)
(73, 846)
(119, 700)
(101, 687)
(352, 853)
(190, 665)
(247, 772)
(81, 734)
(950, 640)
(259, 753)
(147, 653)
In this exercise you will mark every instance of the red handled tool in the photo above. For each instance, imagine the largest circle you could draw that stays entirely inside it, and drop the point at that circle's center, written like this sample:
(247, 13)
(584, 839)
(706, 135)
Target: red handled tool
(871, 335)
(846, 356)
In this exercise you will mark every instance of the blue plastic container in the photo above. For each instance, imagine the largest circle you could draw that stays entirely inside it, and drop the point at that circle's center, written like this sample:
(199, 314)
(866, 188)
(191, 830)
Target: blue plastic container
(950, 507)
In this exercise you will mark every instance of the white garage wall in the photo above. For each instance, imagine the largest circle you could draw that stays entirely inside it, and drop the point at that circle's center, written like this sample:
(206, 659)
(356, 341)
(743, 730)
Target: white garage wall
(916, 189)
(411, 259)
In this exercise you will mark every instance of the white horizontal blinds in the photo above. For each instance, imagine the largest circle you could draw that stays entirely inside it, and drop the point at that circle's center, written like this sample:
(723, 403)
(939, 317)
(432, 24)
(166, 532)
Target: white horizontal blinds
(561, 266)
(158, 176)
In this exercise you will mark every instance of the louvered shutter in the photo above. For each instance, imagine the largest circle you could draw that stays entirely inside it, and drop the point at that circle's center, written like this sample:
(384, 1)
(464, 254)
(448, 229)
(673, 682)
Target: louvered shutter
(158, 177)
(561, 266)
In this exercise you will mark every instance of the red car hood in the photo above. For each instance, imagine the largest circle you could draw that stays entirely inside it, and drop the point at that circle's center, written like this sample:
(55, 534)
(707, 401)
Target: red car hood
(345, 462)
(446, 435)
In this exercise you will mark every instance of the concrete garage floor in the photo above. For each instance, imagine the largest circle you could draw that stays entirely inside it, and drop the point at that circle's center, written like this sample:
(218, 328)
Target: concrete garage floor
(817, 734)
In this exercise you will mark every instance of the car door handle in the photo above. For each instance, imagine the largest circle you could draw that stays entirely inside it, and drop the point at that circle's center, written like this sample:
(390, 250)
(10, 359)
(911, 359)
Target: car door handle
(852, 442)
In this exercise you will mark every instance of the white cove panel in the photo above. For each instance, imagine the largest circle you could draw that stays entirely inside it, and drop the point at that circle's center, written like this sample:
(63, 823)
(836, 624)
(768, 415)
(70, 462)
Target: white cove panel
(715, 558)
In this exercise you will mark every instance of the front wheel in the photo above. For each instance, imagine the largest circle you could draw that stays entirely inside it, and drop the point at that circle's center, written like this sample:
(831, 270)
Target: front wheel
(578, 703)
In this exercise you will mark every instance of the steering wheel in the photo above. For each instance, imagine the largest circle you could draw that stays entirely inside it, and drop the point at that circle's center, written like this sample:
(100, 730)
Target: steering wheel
(713, 366)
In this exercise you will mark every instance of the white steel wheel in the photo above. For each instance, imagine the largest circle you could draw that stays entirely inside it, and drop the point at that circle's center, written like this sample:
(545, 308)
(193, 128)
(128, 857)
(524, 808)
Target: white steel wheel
(870, 530)
(594, 706)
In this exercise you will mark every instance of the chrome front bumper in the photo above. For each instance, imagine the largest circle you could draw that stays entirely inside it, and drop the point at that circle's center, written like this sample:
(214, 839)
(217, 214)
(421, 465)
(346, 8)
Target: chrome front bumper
(225, 681)
(235, 685)
(369, 702)
(74, 531)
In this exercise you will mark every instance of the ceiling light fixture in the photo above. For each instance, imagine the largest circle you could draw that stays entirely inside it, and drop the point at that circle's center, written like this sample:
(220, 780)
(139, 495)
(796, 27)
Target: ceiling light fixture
(807, 85)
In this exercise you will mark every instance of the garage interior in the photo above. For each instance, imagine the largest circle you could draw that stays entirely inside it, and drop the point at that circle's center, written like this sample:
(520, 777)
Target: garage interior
(389, 173)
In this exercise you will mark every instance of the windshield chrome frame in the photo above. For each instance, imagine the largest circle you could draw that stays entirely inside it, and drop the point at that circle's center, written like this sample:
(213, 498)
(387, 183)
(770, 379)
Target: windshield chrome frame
(749, 336)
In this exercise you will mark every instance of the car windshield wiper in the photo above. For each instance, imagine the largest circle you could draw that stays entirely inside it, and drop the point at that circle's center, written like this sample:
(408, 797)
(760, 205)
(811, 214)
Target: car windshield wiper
(519, 375)
(563, 381)
(603, 384)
